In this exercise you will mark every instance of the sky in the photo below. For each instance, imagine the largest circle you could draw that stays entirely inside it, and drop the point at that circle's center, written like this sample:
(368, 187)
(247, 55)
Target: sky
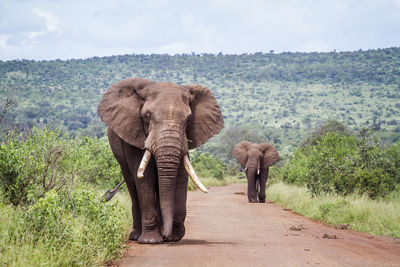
(66, 29)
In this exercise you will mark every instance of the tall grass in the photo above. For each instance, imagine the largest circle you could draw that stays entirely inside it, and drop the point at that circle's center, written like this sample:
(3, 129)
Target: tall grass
(377, 217)
(52, 234)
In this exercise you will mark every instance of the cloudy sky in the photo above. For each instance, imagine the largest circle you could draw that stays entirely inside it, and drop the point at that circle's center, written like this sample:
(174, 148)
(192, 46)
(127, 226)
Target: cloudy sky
(64, 29)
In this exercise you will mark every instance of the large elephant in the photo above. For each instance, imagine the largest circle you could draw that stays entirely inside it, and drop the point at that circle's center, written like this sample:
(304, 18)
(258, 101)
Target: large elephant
(255, 159)
(151, 126)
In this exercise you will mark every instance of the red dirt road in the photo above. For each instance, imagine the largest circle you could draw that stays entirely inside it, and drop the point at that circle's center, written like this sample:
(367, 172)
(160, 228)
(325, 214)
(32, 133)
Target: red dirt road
(223, 229)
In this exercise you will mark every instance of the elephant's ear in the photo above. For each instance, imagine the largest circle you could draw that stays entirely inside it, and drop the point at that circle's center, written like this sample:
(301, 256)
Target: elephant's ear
(206, 120)
(270, 154)
(240, 152)
(120, 110)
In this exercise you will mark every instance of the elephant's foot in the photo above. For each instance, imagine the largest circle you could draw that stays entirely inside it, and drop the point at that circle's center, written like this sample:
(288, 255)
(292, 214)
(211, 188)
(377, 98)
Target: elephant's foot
(253, 200)
(178, 231)
(134, 235)
(151, 237)
(261, 199)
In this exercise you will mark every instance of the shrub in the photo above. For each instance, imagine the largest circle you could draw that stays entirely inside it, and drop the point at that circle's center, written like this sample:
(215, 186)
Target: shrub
(48, 159)
(295, 170)
(344, 164)
(97, 163)
(392, 161)
(35, 164)
(48, 219)
(328, 160)
(69, 229)
(207, 166)
(374, 183)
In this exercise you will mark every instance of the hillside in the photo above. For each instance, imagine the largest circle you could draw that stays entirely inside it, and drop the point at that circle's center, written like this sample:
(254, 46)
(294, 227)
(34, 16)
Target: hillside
(280, 96)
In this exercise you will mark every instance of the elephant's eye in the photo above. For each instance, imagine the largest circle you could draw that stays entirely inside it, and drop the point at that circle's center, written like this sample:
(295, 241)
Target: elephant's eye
(147, 117)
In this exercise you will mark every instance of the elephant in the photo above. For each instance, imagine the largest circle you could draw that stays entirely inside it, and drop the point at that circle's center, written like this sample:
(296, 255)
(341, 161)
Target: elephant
(151, 126)
(255, 159)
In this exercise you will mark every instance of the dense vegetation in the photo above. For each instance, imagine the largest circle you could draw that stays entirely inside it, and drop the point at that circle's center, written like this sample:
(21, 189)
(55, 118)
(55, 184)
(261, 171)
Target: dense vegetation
(280, 96)
(50, 185)
(345, 164)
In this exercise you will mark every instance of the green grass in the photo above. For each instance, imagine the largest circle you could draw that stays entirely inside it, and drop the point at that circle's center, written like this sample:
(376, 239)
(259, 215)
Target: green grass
(85, 239)
(377, 217)
(210, 181)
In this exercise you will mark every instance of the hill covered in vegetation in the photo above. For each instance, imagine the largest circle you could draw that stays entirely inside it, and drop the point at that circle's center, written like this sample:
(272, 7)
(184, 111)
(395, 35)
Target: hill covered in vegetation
(278, 97)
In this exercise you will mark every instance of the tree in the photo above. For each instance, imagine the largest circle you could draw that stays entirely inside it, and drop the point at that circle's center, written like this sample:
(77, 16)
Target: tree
(222, 146)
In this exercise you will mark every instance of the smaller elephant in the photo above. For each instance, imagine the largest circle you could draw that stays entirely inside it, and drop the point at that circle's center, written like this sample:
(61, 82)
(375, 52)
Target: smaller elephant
(255, 159)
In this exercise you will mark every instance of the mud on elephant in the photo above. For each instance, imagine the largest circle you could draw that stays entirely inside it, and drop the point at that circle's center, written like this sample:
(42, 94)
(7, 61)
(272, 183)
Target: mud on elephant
(151, 127)
(255, 159)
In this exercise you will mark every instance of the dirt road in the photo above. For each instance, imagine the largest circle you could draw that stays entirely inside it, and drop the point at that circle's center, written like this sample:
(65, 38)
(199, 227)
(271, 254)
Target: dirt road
(223, 229)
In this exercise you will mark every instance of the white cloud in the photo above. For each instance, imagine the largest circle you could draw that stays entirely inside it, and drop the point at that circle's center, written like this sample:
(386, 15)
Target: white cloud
(3, 40)
(43, 29)
(52, 23)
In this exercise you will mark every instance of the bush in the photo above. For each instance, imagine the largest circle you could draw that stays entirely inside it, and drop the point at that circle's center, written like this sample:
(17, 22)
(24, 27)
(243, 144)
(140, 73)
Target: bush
(392, 161)
(374, 183)
(344, 164)
(295, 170)
(70, 230)
(328, 161)
(32, 165)
(48, 219)
(48, 159)
(207, 166)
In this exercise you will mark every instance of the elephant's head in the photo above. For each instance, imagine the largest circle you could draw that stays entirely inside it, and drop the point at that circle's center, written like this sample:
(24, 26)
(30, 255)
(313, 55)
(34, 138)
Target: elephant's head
(255, 157)
(165, 120)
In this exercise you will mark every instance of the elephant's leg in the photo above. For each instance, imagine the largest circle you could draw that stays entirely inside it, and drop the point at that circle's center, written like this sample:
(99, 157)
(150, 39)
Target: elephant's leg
(257, 184)
(251, 188)
(137, 225)
(263, 182)
(117, 147)
(146, 192)
(178, 229)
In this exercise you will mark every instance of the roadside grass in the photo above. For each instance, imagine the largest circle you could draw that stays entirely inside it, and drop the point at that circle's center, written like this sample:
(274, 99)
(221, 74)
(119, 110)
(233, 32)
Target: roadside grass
(210, 181)
(55, 235)
(377, 217)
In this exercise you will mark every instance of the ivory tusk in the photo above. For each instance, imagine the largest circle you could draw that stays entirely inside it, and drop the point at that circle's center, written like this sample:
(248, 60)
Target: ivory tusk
(143, 164)
(245, 169)
(258, 171)
(193, 175)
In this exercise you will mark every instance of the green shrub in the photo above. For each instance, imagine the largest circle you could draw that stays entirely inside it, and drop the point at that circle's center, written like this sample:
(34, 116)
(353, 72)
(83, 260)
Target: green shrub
(207, 166)
(97, 163)
(374, 183)
(392, 161)
(344, 164)
(48, 219)
(38, 162)
(70, 230)
(296, 169)
(48, 159)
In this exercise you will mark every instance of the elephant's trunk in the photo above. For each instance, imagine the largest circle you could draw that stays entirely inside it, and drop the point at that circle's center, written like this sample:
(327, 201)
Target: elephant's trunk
(168, 154)
(251, 173)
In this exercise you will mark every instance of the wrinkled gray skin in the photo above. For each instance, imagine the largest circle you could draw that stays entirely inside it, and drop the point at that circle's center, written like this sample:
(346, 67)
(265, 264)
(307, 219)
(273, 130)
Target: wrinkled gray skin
(166, 119)
(255, 159)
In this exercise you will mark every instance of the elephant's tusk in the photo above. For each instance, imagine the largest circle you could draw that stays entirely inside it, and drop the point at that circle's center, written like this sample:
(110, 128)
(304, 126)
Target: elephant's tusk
(245, 169)
(143, 164)
(258, 171)
(193, 175)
